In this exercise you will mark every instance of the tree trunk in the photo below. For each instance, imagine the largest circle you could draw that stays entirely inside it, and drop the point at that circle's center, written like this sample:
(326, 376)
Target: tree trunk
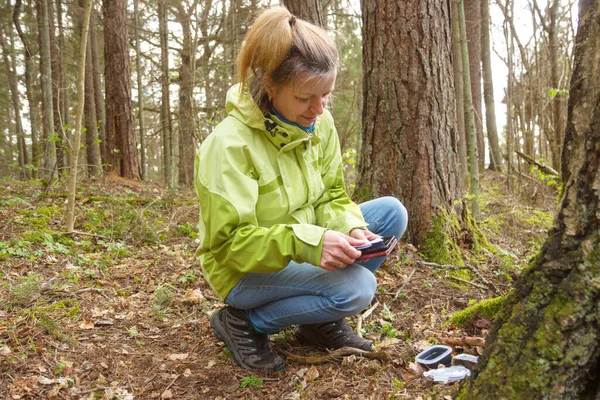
(308, 10)
(57, 84)
(472, 147)
(459, 93)
(29, 87)
(100, 127)
(74, 150)
(92, 147)
(121, 152)
(8, 55)
(138, 71)
(187, 119)
(488, 90)
(409, 129)
(165, 109)
(509, 94)
(557, 117)
(50, 138)
(545, 342)
(473, 26)
(64, 97)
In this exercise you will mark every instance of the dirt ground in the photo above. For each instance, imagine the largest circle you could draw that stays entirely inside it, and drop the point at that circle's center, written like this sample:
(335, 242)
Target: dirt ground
(121, 311)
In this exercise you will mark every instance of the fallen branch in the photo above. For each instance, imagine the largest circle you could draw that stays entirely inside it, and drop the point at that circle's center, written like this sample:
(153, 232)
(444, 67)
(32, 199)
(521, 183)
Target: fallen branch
(543, 167)
(467, 282)
(461, 341)
(406, 281)
(339, 353)
(84, 234)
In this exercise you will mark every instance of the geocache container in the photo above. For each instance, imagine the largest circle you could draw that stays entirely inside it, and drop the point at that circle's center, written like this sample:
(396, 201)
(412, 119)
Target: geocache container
(434, 356)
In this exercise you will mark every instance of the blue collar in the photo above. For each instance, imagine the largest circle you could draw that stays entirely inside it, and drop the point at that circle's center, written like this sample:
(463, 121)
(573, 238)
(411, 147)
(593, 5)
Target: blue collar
(310, 129)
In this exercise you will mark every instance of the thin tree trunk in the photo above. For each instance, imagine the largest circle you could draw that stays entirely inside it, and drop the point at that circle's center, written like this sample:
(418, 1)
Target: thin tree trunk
(459, 93)
(57, 84)
(92, 147)
(64, 98)
(165, 109)
(509, 95)
(557, 117)
(186, 101)
(119, 127)
(8, 55)
(29, 87)
(488, 90)
(50, 138)
(138, 70)
(469, 117)
(97, 82)
(74, 150)
(473, 26)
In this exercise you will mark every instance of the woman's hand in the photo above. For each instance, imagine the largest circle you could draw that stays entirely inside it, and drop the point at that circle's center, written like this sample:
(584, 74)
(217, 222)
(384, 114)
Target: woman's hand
(363, 234)
(338, 251)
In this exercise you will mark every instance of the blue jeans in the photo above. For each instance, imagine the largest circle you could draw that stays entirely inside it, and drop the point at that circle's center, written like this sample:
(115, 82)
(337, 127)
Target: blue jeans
(307, 294)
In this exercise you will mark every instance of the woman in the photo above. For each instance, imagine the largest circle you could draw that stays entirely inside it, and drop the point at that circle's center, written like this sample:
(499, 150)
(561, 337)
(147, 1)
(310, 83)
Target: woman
(277, 228)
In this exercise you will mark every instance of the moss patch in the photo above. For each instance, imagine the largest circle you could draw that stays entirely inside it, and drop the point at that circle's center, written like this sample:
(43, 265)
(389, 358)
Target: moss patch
(486, 308)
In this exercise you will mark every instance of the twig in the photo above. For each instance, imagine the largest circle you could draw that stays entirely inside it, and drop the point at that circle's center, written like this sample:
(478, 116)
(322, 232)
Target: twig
(467, 282)
(459, 267)
(359, 326)
(103, 388)
(406, 281)
(84, 234)
(367, 313)
(341, 352)
(171, 384)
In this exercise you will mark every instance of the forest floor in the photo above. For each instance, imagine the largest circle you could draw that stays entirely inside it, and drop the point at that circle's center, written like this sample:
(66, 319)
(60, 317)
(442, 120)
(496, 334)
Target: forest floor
(120, 310)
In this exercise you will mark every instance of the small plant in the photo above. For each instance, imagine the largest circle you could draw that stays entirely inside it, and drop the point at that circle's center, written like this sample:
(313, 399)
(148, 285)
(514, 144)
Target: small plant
(59, 368)
(398, 384)
(387, 314)
(24, 292)
(164, 295)
(389, 331)
(251, 381)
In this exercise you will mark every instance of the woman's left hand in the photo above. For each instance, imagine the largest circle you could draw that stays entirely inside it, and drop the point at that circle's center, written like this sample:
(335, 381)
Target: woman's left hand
(363, 234)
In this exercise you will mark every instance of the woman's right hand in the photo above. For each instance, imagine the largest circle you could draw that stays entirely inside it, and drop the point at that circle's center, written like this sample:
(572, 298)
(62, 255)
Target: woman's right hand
(338, 251)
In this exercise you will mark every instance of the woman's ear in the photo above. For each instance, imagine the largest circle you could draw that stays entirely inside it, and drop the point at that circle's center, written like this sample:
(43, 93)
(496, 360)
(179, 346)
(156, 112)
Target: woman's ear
(269, 87)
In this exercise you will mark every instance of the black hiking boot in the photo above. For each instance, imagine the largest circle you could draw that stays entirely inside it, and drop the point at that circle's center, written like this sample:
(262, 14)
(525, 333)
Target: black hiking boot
(332, 335)
(250, 349)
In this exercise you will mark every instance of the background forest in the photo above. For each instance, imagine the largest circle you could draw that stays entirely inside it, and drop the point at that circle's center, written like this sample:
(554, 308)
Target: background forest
(457, 108)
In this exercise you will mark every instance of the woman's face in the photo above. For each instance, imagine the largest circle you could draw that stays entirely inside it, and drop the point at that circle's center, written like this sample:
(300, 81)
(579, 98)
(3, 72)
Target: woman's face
(303, 100)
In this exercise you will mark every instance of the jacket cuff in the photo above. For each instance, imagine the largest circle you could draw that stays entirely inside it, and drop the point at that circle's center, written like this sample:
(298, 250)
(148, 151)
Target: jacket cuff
(312, 246)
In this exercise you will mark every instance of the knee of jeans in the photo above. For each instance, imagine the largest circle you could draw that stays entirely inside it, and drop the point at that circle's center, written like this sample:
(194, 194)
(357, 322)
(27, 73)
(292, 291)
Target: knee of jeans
(357, 295)
(398, 215)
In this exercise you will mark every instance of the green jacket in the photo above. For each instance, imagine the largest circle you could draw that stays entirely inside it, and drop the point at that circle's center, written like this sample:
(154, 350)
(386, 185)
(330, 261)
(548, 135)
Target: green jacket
(267, 193)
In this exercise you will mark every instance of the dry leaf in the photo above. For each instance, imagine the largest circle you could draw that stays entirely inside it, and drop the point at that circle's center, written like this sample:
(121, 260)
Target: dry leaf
(167, 394)
(193, 297)
(86, 325)
(312, 374)
(349, 360)
(175, 357)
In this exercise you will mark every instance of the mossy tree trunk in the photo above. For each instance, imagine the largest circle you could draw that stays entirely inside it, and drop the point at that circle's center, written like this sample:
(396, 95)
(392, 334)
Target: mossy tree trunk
(546, 341)
(409, 135)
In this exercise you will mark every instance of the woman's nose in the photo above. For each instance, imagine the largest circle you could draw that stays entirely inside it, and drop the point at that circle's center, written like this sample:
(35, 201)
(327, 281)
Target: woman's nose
(318, 105)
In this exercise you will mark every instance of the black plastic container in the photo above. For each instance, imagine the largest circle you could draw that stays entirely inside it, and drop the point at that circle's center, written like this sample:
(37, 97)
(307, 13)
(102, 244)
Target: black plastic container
(434, 356)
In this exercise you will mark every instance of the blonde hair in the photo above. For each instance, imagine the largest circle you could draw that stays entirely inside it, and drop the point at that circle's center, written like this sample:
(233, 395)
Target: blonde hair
(284, 47)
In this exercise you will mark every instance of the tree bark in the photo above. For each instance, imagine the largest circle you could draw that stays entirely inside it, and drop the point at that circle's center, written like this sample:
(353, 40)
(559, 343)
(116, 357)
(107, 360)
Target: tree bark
(121, 151)
(409, 141)
(138, 71)
(488, 90)
(545, 343)
(473, 26)
(308, 10)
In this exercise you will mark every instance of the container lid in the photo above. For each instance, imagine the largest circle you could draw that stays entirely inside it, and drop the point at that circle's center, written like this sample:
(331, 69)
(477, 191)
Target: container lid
(448, 374)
